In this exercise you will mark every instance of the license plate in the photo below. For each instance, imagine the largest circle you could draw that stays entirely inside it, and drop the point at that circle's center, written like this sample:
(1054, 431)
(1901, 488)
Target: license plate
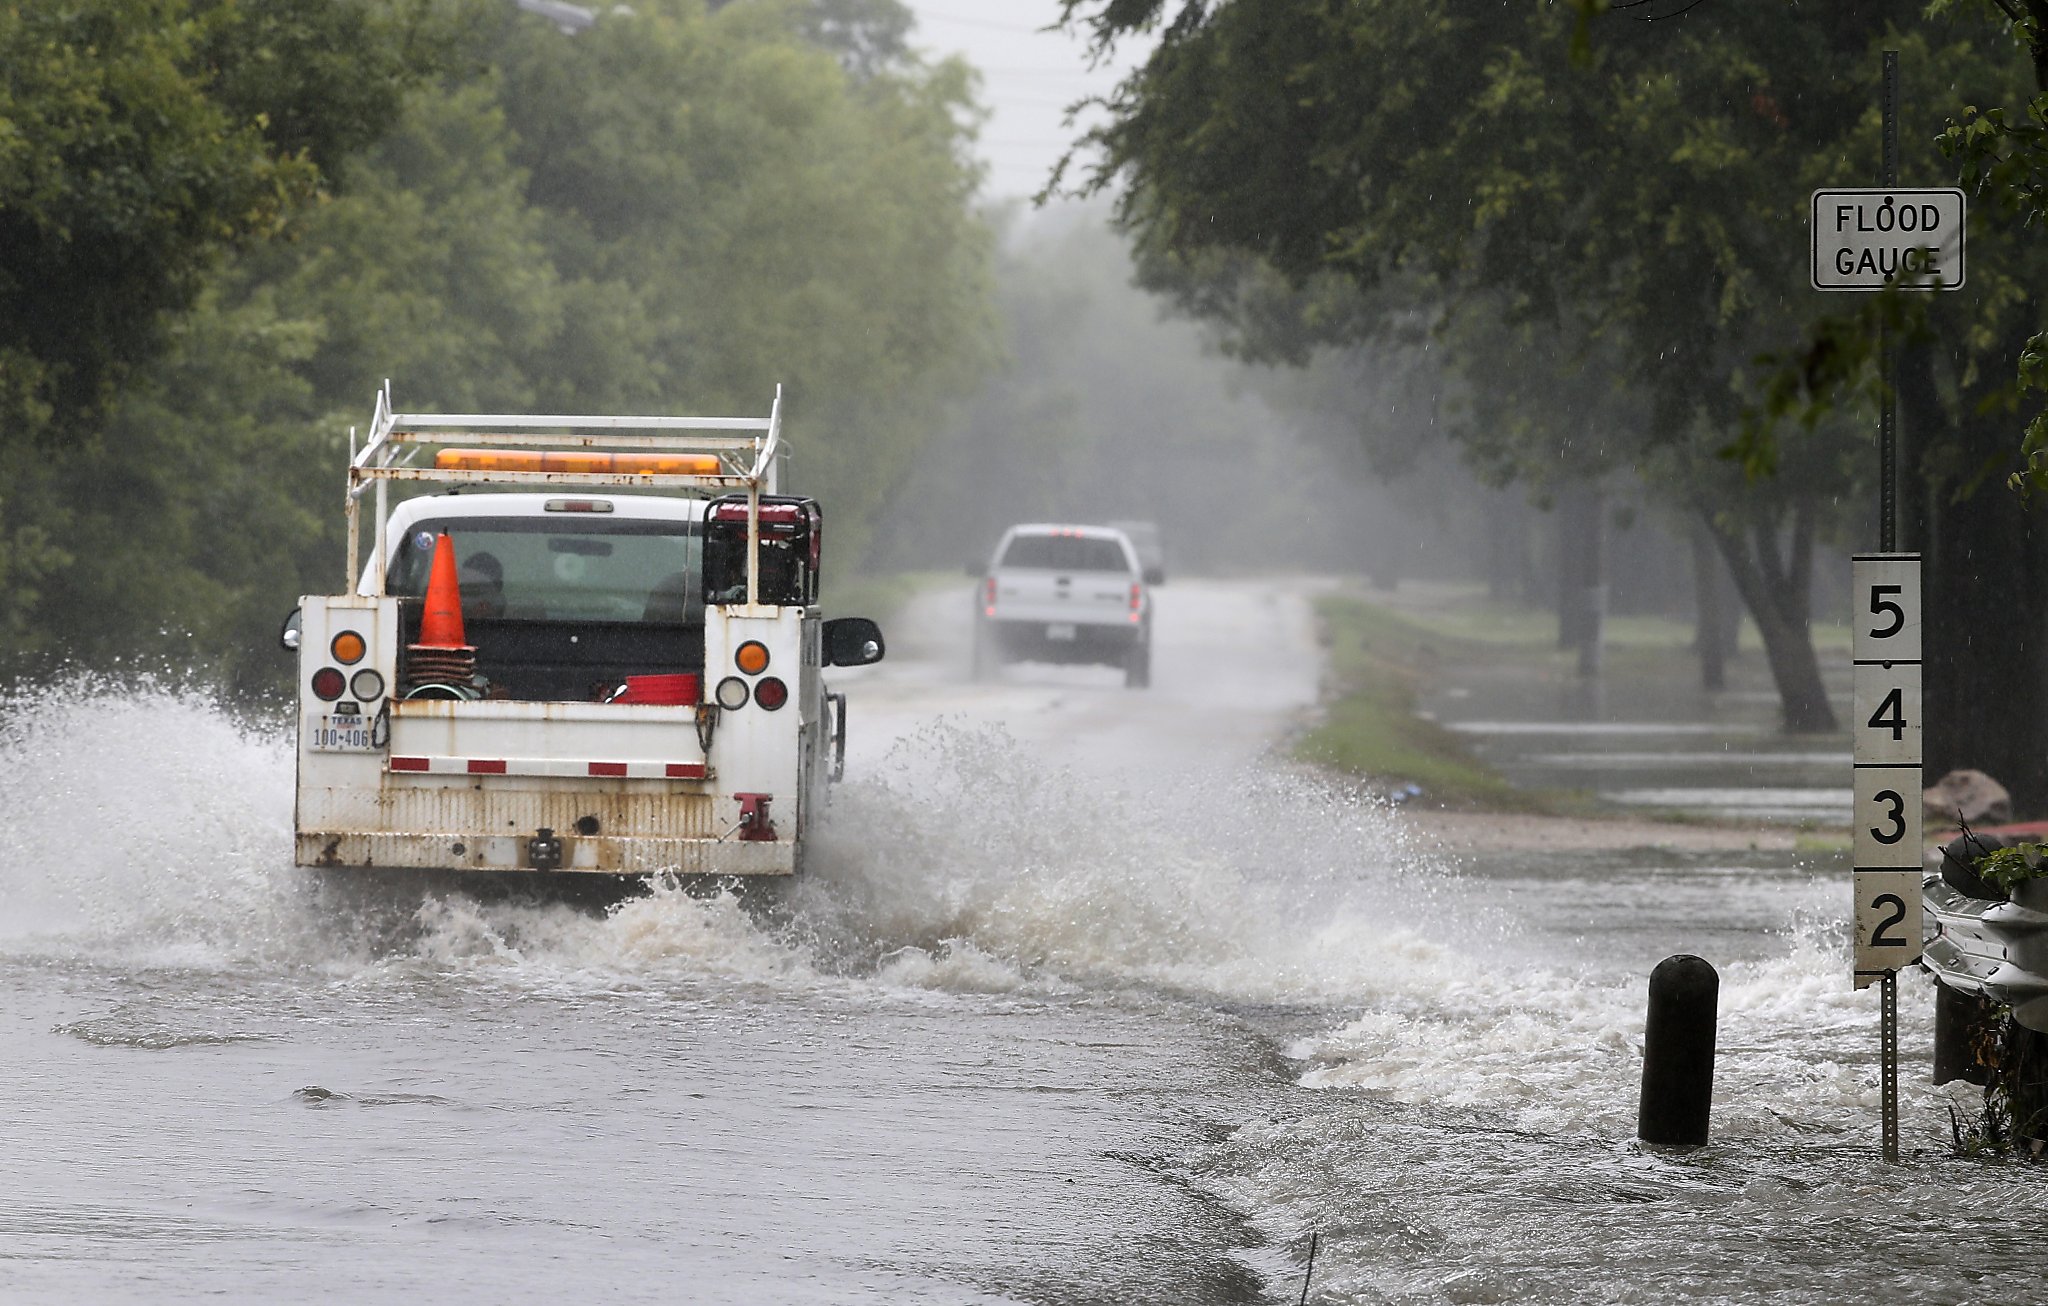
(333, 733)
(1060, 630)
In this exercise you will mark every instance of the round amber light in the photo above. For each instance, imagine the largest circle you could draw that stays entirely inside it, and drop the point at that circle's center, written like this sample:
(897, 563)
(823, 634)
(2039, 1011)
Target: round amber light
(348, 648)
(752, 657)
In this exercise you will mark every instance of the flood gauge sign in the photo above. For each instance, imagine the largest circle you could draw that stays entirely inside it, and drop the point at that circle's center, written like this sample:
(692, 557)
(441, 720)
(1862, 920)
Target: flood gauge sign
(1871, 238)
(1887, 836)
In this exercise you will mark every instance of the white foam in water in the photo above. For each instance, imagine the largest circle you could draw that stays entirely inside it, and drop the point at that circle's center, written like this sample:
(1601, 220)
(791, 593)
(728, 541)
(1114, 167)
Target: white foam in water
(148, 826)
(140, 815)
(1258, 886)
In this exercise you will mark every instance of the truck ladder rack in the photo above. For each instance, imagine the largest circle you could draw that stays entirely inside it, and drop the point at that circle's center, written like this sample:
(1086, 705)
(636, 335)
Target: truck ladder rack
(746, 449)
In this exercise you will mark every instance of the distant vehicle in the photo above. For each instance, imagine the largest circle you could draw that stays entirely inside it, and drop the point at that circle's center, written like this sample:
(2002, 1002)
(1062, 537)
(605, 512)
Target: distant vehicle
(1054, 593)
(1151, 547)
(616, 667)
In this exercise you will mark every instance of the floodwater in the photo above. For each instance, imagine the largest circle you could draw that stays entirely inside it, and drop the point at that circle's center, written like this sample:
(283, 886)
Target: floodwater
(1646, 738)
(1090, 1000)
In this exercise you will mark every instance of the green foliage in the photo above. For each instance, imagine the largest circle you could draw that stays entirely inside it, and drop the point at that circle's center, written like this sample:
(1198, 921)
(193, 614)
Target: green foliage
(1370, 729)
(669, 212)
(139, 139)
(2004, 164)
(2013, 865)
(1597, 231)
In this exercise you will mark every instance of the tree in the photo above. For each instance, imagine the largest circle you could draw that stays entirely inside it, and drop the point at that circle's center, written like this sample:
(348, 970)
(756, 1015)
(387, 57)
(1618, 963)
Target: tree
(766, 217)
(668, 212)
(139, 139)
(1634, 197)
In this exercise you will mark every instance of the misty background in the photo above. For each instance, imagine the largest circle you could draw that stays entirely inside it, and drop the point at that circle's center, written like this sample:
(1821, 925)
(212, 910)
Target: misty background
(531, 206)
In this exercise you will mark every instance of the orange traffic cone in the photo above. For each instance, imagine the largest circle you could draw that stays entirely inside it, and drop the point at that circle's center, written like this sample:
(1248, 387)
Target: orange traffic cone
(441, 623)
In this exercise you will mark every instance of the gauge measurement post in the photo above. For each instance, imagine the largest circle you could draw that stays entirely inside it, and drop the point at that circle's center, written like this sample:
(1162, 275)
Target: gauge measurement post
(1887, 839)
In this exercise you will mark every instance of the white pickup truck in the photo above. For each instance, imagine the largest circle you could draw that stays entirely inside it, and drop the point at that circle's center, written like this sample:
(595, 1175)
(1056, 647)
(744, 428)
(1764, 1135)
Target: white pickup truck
(1055, 593)
(599, 650)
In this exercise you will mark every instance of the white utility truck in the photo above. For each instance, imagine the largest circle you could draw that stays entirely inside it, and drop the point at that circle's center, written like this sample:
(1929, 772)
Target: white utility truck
(598, 650)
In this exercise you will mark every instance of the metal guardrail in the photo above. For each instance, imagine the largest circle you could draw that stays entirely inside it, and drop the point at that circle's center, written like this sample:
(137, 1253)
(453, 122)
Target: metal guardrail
(1994, 947)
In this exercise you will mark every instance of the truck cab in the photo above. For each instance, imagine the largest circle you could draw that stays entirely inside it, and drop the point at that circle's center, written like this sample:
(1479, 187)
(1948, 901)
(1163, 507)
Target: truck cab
(598, 650)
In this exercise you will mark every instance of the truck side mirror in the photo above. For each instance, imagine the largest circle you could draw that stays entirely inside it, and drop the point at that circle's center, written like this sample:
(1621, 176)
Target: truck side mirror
(852, 642)
(1155, 575)
(288, 636)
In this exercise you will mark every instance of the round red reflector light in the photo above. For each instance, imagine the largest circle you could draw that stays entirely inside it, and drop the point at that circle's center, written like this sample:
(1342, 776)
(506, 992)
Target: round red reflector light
(348, 648)
(771, 693)
(328, 683)
(732, 693)
(752, 657)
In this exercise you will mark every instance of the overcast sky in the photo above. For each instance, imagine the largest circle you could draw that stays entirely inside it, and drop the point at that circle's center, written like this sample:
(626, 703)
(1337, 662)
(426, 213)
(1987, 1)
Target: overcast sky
(1029, 76)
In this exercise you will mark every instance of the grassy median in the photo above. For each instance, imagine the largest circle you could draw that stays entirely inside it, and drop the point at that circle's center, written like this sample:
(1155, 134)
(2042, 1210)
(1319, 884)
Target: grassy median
(1377, 661)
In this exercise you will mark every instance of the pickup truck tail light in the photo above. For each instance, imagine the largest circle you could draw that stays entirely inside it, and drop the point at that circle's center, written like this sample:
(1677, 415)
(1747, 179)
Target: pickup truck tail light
(1137, 600)
(988, 597)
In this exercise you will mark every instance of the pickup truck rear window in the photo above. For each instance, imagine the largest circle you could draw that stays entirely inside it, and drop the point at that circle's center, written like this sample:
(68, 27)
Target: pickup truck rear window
(1065, 553)
(568, 569)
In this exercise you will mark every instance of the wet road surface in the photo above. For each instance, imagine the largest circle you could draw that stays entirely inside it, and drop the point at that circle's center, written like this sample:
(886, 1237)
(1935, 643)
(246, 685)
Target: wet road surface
(1090, 999)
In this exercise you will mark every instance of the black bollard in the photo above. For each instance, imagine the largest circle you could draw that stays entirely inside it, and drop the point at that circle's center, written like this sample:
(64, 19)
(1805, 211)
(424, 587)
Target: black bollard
(1678, 1053)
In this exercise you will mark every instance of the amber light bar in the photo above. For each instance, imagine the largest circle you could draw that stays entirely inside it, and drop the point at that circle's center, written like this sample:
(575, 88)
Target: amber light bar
(575, 460)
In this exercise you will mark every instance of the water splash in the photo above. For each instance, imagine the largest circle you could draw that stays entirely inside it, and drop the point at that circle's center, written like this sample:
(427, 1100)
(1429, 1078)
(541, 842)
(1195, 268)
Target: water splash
(1251, 885)
(144, 819)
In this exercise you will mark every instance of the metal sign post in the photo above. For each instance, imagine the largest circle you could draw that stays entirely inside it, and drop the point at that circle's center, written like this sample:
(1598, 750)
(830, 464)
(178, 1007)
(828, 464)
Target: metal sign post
(1871, 240)
(1887, 839)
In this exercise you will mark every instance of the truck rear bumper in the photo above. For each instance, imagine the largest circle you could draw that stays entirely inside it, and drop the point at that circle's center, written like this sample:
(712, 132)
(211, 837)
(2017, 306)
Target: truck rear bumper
(1071, 641)
(594, 854)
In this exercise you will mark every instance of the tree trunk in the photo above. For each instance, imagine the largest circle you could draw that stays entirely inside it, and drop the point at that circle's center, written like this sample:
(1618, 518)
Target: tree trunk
(1775, 589)
(1582, 572)
(1713, 614)
(1507, 548)
(1984, 582)
(1571, 565)
(1983, 644)
(2023, 1081)
(1593, 595)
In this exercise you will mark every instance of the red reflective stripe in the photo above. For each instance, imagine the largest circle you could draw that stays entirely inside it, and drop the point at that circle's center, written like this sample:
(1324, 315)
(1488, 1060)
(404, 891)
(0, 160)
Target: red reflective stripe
(686, 770)
(408, 763)
(607, 768)
(487, 766)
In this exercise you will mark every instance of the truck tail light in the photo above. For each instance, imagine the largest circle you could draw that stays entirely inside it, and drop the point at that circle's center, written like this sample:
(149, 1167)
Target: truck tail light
(771, 693)
(1137, 599)
(328, 684)
(731, 693)
(988, 598)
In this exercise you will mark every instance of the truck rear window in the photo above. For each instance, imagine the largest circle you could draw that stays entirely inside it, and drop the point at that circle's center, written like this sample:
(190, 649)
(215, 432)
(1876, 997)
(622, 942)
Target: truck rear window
(580, 568)
(1065, 553)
